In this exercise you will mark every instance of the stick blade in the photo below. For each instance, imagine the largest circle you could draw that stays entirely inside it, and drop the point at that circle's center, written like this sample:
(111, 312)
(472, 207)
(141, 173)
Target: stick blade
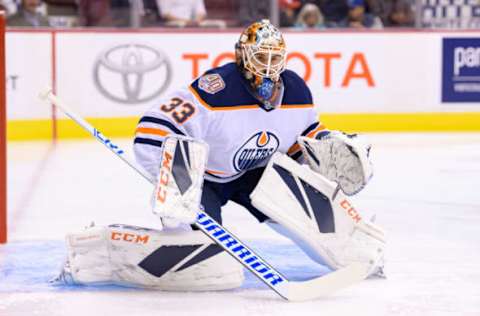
(324, 285)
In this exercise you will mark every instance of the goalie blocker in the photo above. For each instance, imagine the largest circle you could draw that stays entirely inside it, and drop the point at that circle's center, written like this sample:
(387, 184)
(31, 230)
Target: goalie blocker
(177, 195)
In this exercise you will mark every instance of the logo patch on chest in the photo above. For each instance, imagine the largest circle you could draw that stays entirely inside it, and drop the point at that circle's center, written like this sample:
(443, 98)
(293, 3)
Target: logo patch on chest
(255, 151)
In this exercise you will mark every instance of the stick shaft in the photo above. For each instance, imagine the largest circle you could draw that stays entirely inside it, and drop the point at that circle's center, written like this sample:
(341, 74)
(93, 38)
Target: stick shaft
(98, 135)
(220, 235)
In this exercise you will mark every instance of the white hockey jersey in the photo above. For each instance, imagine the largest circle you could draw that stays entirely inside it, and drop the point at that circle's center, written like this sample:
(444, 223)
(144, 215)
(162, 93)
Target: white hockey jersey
(241, 132)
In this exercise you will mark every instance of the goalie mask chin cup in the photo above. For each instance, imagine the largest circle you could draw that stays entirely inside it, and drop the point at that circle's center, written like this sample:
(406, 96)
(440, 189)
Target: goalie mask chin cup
(265, 89)
(260, 54)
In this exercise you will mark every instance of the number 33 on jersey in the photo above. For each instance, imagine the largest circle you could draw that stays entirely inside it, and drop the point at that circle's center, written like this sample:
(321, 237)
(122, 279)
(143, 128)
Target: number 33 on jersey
(218, 109)
(179, 110)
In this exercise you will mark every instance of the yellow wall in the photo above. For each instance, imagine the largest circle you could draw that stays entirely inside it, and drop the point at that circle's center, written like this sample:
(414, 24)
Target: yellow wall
(356, 122)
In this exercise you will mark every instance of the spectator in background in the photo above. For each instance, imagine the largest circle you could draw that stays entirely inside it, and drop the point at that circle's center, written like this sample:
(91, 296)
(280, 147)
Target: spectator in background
(94, 13)
(357, 16)
(9, 6)
(28, 15)
(397, 13)
(310, 17)
(334, 11)
(288, 11)
(151, 13)
(250, 11)
(120, 12)
(182, 12)
(62, 13)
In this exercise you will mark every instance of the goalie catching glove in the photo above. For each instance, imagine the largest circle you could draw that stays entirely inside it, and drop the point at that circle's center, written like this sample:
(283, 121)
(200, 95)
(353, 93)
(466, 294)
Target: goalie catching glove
(342, 158)
(177, 194)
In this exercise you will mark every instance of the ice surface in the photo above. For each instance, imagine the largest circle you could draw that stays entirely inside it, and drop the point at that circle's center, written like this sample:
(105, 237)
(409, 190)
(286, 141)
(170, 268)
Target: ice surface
(425, 192)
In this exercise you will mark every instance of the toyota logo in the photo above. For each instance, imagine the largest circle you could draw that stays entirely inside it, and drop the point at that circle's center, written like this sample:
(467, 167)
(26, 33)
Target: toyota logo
(120, 73)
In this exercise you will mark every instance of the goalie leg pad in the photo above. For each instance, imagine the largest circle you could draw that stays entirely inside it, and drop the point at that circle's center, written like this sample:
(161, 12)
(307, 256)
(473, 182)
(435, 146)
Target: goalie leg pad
(139, 257)
(315, 214)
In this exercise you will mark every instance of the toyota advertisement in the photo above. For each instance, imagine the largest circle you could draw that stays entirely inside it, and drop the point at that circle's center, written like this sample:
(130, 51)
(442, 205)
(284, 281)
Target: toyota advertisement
(120, 73)
(117, 74)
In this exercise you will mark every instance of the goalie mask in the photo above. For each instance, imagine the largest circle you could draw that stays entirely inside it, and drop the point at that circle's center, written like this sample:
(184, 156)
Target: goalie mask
(260, 53)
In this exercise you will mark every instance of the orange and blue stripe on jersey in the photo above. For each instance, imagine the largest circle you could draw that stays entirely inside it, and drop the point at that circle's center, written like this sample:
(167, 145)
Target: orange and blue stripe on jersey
(312, 131)
(235, 93)
(152, 130)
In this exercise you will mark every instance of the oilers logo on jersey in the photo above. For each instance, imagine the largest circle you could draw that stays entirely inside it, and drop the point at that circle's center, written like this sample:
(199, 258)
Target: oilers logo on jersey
(255, 150)
(219, 106)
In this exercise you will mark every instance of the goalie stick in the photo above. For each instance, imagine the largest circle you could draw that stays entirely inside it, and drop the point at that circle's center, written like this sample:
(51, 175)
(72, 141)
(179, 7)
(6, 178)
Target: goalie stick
(289, 290)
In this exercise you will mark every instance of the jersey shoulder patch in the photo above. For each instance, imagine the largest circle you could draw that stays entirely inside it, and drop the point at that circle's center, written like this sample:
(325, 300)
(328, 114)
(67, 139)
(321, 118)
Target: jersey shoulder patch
(222, 88)
(211, 83)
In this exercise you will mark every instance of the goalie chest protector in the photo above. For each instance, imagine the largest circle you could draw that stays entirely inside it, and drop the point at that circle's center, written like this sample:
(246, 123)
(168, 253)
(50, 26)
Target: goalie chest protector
(241, 134)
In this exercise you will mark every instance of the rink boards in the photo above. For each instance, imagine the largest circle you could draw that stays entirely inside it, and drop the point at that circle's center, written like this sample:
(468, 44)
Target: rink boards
(363, 81)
